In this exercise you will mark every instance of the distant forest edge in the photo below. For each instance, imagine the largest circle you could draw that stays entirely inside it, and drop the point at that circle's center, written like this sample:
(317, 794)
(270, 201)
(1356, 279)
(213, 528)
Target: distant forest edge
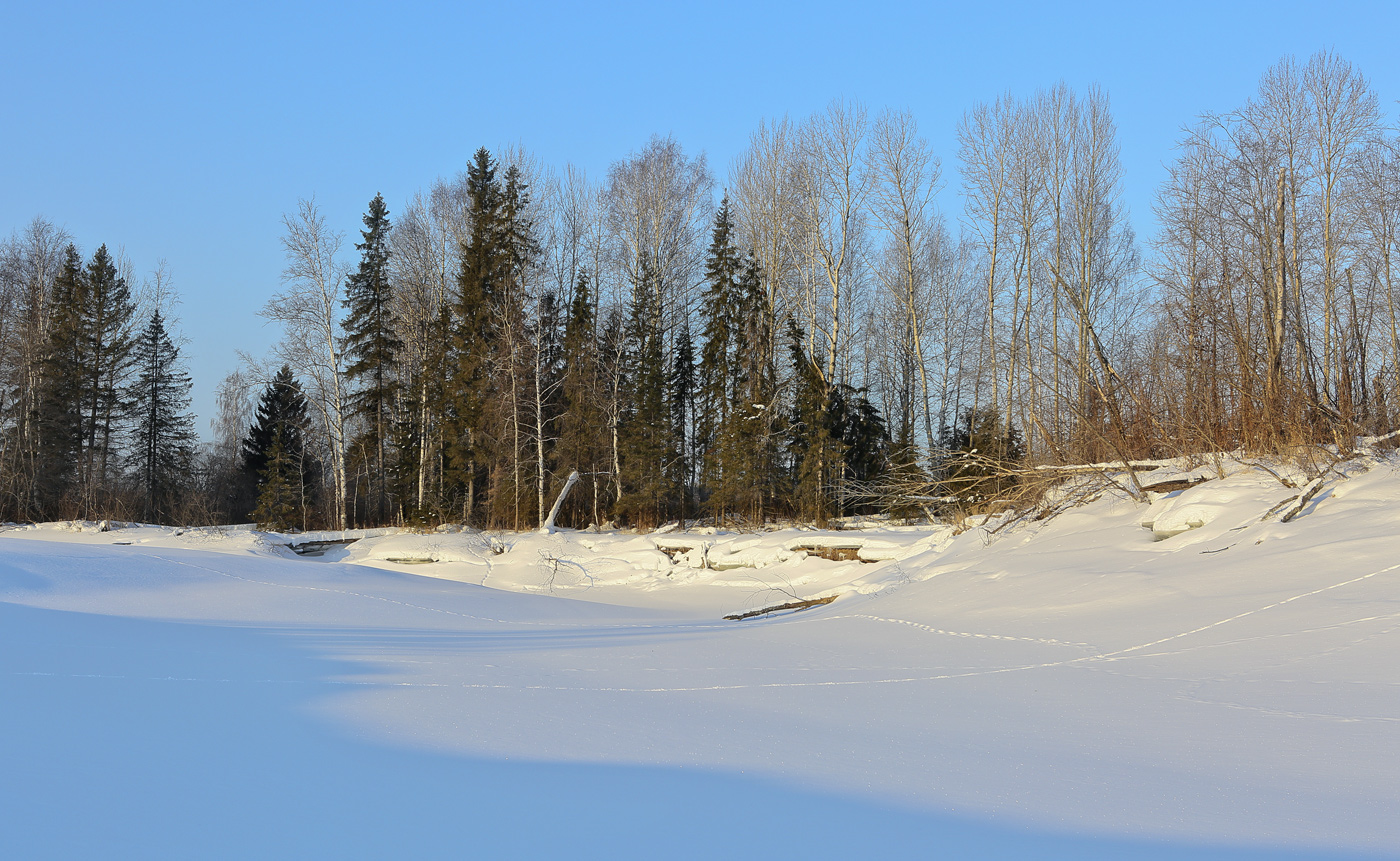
(817, 342)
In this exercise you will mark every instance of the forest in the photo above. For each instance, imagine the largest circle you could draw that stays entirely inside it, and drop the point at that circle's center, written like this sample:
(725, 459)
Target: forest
(835, 327)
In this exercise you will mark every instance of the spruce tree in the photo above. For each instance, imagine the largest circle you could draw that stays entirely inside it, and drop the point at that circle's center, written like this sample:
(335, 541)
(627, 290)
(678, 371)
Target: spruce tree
(106, 319)
(85, 368)
(371, 345)
(583, 424)
(644, 419)
(475, 335)
(864, 437)
(981, 451)
(513, 395)
(748, 441)
(814, 451)
(681, 389)
(58, 412)
(281, 422)
(279, 496)
(721, 318)
(162, 453)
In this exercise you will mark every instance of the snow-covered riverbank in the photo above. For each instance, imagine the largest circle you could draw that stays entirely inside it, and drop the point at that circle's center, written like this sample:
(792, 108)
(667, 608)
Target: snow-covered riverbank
(1075, 687)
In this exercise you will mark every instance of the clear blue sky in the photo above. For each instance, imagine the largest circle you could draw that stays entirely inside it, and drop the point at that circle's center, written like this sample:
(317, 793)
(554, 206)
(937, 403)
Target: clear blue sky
(183, 131)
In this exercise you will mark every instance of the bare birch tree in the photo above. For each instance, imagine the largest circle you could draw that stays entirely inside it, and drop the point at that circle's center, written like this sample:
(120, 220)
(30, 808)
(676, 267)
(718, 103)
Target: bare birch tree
(309, 311)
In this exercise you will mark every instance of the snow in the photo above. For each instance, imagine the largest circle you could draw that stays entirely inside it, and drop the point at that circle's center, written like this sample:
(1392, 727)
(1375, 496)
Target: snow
(1076, 686)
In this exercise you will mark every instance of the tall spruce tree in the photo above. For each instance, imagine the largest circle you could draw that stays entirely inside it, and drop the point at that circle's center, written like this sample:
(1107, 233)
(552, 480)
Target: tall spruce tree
(583, 422)
(747, 443)
(85, 370)
(836, 436)
(721, 319)
(514, 397)
(681, 390)
(371, 345)
(281, 504)
(475, 335)
(58, 443)
(162, 452)
(644, 428)
(275, 452)
(813, 449)
(106, 321)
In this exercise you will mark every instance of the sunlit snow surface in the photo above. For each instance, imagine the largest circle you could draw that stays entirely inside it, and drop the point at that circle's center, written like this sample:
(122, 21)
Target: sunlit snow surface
(1070, 687)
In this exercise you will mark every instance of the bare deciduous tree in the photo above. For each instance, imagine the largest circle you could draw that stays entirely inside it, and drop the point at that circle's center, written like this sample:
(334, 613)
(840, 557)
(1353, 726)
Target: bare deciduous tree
(309, 311)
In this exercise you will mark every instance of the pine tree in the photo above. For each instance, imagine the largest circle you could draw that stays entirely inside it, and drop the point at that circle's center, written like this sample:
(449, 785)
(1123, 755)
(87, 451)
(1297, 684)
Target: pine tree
(163, 434)
(281, 422)
(371, 346)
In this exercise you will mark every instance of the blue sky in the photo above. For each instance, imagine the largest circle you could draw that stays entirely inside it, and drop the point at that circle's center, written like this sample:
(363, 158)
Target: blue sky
(183, 131)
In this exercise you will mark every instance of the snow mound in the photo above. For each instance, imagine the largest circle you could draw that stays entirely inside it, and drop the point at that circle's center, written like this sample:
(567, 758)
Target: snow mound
(1201, 505)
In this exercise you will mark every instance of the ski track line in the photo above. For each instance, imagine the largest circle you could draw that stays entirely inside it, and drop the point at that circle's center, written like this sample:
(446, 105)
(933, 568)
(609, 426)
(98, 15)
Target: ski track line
(1286, 713)
(1118, 655)
(1236, 680)
(932, 630)
(1223, 644)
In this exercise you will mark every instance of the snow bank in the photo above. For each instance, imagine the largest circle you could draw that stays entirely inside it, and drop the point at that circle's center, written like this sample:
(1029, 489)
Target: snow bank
(1229, 688)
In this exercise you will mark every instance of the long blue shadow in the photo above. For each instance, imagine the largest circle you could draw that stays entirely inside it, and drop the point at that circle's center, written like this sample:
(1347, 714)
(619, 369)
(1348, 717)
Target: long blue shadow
(123, 738)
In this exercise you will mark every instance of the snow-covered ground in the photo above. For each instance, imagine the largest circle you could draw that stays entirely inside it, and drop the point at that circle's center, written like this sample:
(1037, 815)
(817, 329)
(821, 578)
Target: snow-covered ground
(1076, 686)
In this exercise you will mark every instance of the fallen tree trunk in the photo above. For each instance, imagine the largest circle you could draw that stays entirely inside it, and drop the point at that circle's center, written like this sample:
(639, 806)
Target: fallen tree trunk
(792, 605)
(1302, 501)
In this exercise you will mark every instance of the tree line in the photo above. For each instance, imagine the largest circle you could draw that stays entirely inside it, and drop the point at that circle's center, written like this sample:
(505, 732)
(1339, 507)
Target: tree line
(815, 338)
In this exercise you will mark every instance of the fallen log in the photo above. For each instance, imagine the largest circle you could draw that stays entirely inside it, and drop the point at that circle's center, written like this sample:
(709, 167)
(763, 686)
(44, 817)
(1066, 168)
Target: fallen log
(792, 605)
(316, 548)
(1302, 501)
(1174, 485)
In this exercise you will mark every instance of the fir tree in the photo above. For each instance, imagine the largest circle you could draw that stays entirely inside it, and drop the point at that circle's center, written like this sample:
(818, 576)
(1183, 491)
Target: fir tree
(371, 346)
(162, 433)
